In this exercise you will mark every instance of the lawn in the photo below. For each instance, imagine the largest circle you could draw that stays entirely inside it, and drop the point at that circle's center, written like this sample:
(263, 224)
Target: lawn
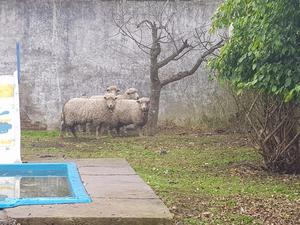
(202, 178)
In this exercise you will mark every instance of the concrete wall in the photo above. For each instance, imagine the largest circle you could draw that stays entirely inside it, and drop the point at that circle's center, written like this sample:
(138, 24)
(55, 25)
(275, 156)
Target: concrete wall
(72, 47)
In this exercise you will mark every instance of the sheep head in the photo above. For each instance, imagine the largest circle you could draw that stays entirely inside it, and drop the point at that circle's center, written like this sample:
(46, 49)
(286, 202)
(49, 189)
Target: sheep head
(131, 93)
(144, 104)
(112, 90)
(110, 101)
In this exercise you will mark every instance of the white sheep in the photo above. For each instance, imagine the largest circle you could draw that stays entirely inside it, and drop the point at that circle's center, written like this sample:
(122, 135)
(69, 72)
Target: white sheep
(129, 112)
(110, 90)
(130, 93)
(79, 111)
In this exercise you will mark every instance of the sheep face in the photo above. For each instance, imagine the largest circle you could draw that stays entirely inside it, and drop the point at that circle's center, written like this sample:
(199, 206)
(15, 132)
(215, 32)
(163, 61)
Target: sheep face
(112, 90)
(131, 93)
(144, 104)
(110, 101)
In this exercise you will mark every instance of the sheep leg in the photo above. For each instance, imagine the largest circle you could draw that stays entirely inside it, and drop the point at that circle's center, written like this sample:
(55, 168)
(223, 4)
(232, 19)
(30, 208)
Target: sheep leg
(62, 131)
(63, 128)
(118, 130)
(121, 129)
(139, 129)
(111, 131)
(88, 128)
(73, 131)
(83, 128)
(99, 130)
(124, 130)
(79, 128)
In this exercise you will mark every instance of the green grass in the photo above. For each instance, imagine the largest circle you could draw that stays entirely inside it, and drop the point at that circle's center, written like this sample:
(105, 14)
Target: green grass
(198, 174)
(39, 134)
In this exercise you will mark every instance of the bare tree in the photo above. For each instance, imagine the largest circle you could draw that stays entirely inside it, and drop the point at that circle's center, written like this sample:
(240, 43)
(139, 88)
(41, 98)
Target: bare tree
(161, 34)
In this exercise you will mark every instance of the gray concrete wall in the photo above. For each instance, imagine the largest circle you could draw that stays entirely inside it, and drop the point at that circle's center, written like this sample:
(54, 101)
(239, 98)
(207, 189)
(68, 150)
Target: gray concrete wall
(72, 47)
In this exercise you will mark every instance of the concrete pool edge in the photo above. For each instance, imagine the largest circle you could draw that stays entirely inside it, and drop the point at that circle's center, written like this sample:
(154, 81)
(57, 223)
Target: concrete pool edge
(79, 194)
(120, 197)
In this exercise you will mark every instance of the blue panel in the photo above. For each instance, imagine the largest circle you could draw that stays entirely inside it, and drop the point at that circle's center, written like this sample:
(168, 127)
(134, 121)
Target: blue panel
(4, 113)
(78, 192)
(4, 127)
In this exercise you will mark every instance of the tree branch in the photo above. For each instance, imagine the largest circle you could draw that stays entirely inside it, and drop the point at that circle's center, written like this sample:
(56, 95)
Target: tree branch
(145, 21)
(173, 56)
(171, 37)
(186, 52)
(186, 73)
(126, 32)
(155, 47)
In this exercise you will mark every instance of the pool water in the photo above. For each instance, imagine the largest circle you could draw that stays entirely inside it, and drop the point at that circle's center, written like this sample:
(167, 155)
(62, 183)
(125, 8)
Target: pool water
(40, 183)
(31, 187)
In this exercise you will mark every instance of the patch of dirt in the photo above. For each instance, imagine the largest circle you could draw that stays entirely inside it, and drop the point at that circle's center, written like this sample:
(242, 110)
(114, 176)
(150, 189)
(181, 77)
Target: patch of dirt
(267, 211)
(245, 169)
(270, 210)
(5, 220)
(46, 144)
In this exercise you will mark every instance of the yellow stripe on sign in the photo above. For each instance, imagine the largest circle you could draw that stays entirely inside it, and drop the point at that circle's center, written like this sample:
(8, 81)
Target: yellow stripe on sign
(5, 119)
(7, 187)
(6, 142)
(6, 90)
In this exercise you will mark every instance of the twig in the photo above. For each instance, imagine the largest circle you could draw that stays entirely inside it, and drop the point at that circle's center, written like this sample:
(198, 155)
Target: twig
(186, 73)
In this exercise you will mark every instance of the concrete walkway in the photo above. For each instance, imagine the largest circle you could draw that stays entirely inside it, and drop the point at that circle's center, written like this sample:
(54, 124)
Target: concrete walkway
(120, 197)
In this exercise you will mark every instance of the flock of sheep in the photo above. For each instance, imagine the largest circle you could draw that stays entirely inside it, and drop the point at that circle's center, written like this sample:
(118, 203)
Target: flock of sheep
(110, 111)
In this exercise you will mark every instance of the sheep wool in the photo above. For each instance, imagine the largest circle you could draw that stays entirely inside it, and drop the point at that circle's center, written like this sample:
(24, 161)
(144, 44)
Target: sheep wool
(129, 111)
(79, 111)
(110, 90)
(130, 93)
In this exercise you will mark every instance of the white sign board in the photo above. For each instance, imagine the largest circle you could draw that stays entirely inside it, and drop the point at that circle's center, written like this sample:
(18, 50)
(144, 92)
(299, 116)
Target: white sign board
(9, 119)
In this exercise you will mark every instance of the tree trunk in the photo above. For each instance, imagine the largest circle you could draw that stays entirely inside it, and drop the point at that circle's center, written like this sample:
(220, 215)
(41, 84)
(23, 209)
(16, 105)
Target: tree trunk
(154, 108)
(155, 83)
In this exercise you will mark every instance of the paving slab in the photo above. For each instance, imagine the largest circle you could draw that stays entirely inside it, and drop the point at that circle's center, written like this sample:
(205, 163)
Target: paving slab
(118, 186)
(120, 197)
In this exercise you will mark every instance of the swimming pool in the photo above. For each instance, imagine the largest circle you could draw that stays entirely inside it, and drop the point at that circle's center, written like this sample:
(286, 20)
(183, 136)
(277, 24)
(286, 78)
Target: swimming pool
(40, 184)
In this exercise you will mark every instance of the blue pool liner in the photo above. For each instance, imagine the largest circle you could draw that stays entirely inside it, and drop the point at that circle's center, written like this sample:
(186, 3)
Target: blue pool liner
(78, 192)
